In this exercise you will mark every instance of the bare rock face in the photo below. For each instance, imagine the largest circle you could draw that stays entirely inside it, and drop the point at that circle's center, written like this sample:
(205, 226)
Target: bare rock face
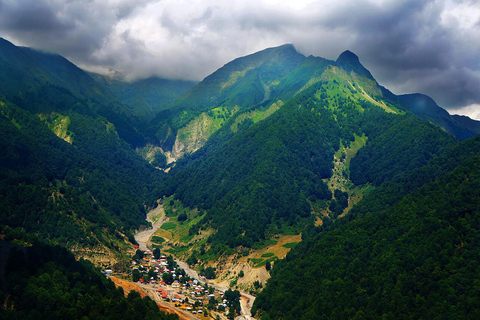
(194, 135)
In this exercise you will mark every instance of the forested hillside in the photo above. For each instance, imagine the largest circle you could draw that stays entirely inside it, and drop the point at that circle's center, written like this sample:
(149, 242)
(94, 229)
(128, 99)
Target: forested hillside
(44, 282)
(263, 78)
(83, 193)
(268, 177)
(43, 83)
(271, 145)
(406, 252)
(424, 107)
(146, 97)
(69, 174)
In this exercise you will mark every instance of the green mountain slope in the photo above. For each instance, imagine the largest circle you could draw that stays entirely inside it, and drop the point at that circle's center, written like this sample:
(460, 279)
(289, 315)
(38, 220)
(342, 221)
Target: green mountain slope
(146, 97)
(276, 175)
(424, 107)
(244, 81)
(44, 83)
(69, 174)
(470, 124)
(86, 194)
(44, 282)
(261, 79)
(410, 258)
(265, 80)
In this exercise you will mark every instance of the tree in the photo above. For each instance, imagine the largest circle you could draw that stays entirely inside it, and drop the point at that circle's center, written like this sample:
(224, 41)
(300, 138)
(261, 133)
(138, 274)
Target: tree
(159, 160)
(152, 274)
(268, 265)
(138, 255)
(156, 253)
(168, 278)
(209, 273)
(136, 275)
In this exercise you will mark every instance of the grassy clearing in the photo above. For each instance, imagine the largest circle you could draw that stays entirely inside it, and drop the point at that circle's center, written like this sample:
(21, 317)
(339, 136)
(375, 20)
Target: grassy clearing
(256, 115)
(169, 225)
(178, 240)
(263, 262)
(271, 250)
(157, 239)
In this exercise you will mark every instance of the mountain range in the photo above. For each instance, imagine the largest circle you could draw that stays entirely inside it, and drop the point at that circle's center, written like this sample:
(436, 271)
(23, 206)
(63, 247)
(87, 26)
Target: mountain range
(383, 188)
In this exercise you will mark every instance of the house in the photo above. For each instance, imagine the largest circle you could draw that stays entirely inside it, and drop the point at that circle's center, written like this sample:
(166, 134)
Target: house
(175, 284)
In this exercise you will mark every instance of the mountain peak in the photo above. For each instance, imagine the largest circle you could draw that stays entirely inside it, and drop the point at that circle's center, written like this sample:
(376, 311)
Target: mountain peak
(348, 55)
(349, 62)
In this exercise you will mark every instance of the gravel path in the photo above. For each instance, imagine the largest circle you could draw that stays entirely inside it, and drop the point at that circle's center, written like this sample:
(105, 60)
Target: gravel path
(157, 217)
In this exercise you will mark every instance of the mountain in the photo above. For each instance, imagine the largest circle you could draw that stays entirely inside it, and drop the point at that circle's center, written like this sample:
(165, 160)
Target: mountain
(243, 81)
(257, 177)
(270, 146)
(271, 75)
(349, 62)
(264, 81)
(423, 106)
(407, 251)
(470, 124)
(146, 97)
(69, 174)
(44, 82)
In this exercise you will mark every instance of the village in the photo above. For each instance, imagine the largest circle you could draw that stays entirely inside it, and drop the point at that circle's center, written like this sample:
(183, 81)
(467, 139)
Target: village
(160, 273)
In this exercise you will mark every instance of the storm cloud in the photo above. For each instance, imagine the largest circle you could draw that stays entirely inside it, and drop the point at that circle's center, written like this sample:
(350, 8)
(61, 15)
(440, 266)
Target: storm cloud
(409, 46)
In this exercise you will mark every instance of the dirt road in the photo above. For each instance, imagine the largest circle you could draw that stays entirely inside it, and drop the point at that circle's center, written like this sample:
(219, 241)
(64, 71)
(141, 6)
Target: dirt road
(246, 300)
(145, 290)
(246, 303)
(157, 217)
(152, 293)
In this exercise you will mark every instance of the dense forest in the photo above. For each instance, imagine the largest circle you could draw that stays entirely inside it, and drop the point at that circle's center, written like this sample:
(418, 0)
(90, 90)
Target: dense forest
(411, 256)
(263, 180)
(45, 282)
(71, 193)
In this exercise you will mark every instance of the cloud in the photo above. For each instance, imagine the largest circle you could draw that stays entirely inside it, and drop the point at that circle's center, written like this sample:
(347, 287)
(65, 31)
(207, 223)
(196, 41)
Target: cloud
(409, 46)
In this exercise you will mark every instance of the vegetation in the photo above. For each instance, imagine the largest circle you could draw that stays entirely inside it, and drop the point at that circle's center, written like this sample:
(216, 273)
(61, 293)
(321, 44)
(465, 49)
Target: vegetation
(145, 97)
(414, 258)
(292, 142)
(264, 179)
(44, 282)
(290, 245)
(71, 194)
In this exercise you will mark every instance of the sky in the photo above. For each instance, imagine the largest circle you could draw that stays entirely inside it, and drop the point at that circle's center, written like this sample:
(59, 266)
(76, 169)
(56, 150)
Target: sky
(425, 46)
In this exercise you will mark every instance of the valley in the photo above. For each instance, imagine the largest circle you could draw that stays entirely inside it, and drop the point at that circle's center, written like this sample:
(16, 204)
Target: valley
(158, 217)
(281, 186)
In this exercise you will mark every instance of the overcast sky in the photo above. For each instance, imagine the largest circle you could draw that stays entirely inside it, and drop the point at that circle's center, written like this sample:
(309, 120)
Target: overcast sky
(431, 47)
